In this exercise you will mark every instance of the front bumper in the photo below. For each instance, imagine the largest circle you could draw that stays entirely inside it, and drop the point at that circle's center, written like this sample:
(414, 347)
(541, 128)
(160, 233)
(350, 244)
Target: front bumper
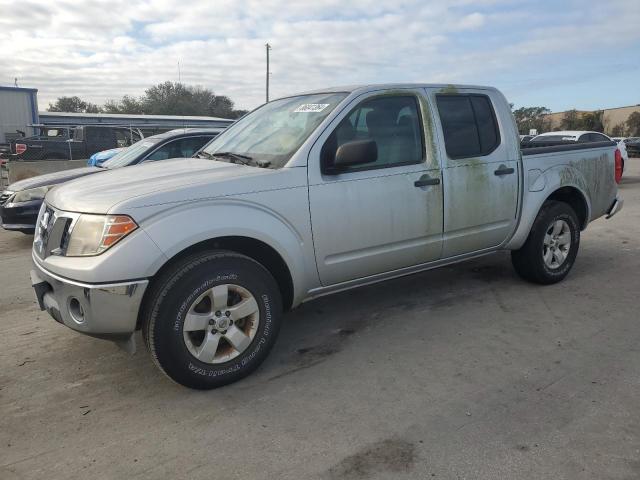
(615, 207)
(101, 310)
(20, 216)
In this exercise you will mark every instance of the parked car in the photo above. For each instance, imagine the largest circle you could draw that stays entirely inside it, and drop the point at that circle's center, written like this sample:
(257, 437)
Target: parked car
(305, 196)
(99, 158)
(5, 150)
(526, 138)
(68, 143)
(582, 137)
(633, 146)
(21, 201)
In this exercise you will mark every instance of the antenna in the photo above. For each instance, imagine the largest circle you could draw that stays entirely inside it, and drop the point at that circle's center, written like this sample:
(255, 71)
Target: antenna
(179, 74)
(15, 82)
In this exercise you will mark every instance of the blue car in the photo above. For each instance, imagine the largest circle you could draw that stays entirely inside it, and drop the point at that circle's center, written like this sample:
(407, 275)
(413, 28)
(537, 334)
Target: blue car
(97, 158)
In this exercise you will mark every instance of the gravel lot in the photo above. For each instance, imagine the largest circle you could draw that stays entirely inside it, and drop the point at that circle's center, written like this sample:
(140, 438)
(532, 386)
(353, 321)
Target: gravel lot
(460, 373)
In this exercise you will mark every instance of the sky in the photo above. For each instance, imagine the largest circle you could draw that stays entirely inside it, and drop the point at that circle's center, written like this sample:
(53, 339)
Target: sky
(560, 54)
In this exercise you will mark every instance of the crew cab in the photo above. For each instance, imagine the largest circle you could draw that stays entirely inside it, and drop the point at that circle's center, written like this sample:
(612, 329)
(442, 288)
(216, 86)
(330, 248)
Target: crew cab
(308, 195)
(72, 143)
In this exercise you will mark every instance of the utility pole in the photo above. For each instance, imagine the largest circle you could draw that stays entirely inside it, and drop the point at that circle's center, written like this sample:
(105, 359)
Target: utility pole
(268, 47)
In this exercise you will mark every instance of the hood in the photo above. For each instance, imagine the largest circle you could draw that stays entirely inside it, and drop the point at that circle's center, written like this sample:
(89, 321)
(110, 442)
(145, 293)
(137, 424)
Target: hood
(52, 178)
(150, 183)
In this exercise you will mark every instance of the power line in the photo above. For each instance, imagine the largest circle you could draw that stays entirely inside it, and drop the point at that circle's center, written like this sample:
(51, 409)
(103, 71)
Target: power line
(268, 47)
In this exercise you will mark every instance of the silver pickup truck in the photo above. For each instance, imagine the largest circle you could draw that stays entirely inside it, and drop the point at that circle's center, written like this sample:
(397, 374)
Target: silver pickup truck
(308, 195)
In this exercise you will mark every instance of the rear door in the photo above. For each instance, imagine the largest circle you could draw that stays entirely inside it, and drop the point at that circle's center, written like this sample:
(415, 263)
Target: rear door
(385, 215)
(480, 162)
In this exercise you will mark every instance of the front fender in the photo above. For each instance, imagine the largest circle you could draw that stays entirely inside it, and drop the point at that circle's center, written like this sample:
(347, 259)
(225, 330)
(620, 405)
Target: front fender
(540, 185)
(181, 226)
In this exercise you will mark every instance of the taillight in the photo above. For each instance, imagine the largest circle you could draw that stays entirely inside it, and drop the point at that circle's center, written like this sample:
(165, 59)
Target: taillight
(20, 148)
(618, 171)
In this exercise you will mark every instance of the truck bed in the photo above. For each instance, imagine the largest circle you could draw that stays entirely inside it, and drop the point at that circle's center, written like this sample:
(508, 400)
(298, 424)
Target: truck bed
(589, 167)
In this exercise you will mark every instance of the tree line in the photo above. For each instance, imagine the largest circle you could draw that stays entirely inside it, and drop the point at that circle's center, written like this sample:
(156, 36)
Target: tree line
(538, 118)
(168, 98)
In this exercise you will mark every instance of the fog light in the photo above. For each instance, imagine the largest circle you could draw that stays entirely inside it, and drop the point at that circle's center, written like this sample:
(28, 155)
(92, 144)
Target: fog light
(75, 310)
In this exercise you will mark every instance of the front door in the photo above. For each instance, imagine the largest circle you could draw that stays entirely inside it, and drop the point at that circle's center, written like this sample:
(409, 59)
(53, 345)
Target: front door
(384, 215)
(480, 170)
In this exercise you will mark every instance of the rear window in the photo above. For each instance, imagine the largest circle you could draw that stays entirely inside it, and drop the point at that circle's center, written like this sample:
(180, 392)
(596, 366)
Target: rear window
(469, 125)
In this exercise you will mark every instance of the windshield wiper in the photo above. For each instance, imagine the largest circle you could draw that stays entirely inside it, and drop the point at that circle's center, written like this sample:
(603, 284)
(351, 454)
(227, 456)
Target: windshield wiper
(204, 154)
(241, 159)
(232, 155)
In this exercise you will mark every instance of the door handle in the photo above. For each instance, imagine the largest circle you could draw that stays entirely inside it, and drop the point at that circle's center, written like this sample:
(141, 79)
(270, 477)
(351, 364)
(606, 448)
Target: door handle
(425, 181)
(504, 171)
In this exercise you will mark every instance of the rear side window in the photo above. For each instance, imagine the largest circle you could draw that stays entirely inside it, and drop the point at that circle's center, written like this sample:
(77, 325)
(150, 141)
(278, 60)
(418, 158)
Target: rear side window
(469, 125)
(596, 137)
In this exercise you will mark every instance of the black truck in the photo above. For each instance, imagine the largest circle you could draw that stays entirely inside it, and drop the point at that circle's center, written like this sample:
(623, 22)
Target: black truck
(72, 143)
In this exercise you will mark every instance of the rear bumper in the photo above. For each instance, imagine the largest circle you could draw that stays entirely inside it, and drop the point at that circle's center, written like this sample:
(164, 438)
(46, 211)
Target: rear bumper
(106, 311)
(615, 207)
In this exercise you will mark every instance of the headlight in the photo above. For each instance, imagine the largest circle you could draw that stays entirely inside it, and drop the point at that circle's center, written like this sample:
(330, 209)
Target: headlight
(31, 194)
(93, 234)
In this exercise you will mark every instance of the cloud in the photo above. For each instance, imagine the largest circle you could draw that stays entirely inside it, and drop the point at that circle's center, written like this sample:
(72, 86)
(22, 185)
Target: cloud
(107, 48)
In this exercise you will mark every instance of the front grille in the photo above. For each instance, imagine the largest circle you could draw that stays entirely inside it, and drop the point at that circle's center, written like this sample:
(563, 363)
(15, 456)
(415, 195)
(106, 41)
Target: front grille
(46, 218)
(5, 196)
(51, 232)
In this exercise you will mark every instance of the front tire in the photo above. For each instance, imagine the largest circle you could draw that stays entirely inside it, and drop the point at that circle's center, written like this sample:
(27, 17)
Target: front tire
(552, 246)
(212, 319)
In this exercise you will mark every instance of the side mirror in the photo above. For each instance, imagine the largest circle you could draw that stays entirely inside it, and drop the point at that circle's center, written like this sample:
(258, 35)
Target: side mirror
(357, 152)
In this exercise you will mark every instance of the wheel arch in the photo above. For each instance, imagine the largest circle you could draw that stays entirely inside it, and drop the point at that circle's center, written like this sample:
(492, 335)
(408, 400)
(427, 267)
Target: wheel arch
(558, 187)
(255, 249)
(576, 199)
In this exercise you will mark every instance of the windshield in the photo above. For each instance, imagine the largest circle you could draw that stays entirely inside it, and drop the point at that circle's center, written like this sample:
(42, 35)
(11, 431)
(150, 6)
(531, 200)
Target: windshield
(130, 154)
(271, 134)
(553, 138)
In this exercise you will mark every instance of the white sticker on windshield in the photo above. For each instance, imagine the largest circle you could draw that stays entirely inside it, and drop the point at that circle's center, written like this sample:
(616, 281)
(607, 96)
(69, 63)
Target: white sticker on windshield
(311, 107)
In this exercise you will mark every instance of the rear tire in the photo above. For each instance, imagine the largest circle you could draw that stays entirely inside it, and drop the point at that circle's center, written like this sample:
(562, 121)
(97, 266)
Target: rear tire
(552, 246)
(212, 319)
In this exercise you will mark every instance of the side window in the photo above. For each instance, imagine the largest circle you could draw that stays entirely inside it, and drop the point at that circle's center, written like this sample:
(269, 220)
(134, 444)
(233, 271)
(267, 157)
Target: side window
(469, 125)
(100, 134)
(392, 122)
(183, 147)
(123, 139)
(596, 137)
(168, 150)
(189, 146)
